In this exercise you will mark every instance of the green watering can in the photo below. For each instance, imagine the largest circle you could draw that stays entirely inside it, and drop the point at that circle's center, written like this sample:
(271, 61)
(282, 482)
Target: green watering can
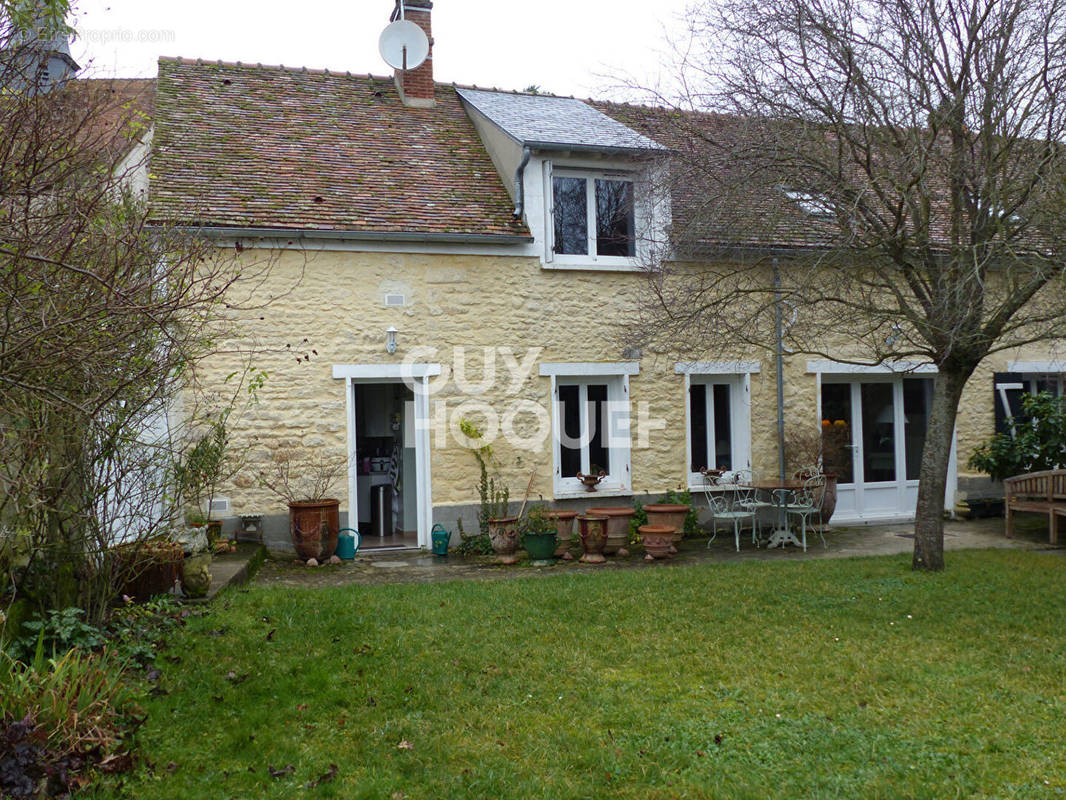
(441, 537)
(348, 543)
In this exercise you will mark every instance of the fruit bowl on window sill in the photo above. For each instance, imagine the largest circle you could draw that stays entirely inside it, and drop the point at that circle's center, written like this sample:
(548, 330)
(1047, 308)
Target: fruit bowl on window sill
(591, 481)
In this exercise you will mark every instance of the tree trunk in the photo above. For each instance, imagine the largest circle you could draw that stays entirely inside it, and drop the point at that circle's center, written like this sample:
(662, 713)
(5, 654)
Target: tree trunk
(929, 516)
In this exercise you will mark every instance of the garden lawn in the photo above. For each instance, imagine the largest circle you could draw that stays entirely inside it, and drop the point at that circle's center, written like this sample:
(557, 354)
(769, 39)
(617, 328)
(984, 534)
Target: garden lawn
(849, 678)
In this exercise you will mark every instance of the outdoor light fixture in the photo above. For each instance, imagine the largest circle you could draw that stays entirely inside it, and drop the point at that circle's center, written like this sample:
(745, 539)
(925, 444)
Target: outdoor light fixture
(390, 339)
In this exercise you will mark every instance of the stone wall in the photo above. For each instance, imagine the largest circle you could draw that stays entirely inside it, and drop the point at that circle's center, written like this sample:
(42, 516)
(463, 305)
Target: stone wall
(330, 309)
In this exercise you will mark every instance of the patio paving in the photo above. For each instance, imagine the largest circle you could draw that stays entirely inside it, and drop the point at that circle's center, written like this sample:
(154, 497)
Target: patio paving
(418, 566)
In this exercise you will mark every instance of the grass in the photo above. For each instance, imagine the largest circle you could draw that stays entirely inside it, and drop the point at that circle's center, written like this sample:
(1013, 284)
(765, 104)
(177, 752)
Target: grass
(828, 678)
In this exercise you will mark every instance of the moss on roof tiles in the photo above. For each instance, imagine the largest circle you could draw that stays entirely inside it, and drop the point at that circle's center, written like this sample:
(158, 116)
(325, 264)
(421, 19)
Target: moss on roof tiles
(273, 139)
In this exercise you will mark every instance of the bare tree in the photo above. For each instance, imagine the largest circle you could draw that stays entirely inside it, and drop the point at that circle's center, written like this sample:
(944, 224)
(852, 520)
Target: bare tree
(901, 163)
(103, 321)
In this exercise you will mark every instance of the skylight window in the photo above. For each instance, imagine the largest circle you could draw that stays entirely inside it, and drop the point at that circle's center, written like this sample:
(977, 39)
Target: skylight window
(811, 204)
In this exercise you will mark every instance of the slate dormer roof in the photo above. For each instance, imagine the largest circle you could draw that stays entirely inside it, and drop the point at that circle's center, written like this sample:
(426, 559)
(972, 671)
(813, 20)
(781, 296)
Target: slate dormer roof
(243, 146)
(546, 122)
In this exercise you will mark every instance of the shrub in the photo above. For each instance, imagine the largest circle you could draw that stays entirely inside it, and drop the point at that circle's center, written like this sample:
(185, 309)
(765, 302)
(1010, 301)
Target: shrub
(61, 719)
(132, 635)
(58, 631)
(472, 544)
(1038, 443)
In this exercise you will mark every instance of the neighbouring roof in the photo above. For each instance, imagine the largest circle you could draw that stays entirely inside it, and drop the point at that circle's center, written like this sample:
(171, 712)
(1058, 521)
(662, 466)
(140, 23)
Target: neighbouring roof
(556, 123)
(274, 147)
(718, 200)
(124, 109)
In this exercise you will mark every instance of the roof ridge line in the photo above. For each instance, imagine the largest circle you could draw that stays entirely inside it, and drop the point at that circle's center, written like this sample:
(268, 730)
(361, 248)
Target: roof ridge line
(193, 62)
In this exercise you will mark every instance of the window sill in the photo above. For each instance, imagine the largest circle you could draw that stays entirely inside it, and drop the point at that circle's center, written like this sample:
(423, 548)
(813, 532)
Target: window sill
(594, 265)
(702, 487)
(569, 494)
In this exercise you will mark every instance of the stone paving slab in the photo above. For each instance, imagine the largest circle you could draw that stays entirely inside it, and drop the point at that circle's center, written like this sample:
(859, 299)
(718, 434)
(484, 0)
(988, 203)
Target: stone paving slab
(418, 566)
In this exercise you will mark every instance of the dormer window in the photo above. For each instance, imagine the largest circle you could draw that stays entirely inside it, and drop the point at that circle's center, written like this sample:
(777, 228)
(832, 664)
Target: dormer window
(593, 215)
(811, 204)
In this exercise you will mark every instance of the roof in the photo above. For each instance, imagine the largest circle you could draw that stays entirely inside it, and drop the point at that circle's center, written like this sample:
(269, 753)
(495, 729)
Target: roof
(123, 109)
(718, 199)
(548, 122)
(275, 147)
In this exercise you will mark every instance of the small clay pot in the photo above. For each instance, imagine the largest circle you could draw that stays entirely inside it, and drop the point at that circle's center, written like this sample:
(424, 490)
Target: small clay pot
(658, 541)
(672, 514)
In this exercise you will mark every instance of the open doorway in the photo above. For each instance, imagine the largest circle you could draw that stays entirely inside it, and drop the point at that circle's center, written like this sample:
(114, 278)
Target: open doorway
(385, 465)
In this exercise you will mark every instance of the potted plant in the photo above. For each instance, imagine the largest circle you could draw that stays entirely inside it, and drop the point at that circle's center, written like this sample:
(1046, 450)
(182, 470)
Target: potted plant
(824, 452)
(305, 483)
(148, 567)
(500, 528)
(200, 472)
(539, 534)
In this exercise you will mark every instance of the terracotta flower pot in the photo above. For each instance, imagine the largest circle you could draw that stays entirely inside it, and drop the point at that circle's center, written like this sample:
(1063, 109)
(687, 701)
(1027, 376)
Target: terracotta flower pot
(829, 499)
(503, 535)
(593, 533)
(564, 524)
(671, 514)
(618, 518)
(148, 568)
(658, 541)
(314, 526)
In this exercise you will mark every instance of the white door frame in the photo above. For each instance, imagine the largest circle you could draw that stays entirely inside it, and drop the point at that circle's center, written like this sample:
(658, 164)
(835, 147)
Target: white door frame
(892, 373)
(416, 376)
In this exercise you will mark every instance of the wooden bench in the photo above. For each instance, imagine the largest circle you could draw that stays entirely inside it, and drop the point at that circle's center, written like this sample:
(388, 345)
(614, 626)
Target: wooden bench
(1039, 493)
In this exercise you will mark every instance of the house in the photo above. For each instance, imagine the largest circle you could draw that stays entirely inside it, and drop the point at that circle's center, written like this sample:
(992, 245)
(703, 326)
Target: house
(448, 254)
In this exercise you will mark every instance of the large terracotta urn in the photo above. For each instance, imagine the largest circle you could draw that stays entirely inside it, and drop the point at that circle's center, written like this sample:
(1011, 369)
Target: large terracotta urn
(503, 535)
(618, 518)
(828, 501)
(671, 514)
(314, 526)
(564, 524)
(593, 533)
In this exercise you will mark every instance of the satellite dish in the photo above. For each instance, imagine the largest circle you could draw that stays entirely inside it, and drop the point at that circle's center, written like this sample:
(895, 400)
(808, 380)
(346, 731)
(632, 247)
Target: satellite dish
(403, 44)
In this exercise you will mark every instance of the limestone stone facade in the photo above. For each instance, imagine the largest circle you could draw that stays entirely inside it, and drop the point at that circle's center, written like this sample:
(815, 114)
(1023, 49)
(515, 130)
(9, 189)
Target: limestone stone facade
(489, 321)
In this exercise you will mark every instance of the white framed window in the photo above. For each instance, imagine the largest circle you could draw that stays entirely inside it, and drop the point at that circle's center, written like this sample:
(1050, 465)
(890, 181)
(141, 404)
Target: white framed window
(1024, 378)
(812, 204)
(590, 425)
(718, 417)
(592, 217)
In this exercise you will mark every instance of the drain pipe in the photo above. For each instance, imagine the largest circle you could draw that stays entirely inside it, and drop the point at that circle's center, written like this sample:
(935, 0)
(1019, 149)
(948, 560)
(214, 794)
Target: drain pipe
(780, 344)
(519, 191)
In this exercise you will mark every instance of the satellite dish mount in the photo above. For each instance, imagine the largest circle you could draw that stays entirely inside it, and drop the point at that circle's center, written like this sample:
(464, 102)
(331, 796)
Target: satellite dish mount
(403, 44)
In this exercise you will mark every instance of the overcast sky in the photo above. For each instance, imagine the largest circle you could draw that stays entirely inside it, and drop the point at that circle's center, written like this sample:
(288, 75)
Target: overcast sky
(562, 46)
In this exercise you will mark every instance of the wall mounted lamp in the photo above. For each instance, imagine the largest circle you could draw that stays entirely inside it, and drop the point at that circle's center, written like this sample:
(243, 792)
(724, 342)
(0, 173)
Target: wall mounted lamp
(390, 339)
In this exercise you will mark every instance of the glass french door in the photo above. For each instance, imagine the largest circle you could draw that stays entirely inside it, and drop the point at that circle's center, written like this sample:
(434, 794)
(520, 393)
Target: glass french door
(873, 432)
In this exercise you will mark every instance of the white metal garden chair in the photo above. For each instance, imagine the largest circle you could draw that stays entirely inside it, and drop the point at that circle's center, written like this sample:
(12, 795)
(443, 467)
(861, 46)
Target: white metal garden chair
(726, 508)
(751, 500)
(805, 503)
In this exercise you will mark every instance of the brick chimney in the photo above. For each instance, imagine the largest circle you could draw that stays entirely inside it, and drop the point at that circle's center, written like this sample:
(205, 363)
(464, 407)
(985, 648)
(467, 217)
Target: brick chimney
(416, 85)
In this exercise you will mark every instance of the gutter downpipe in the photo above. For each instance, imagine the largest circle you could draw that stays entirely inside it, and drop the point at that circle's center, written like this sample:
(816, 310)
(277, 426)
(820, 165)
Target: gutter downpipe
(519, 190)
(780, 346)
